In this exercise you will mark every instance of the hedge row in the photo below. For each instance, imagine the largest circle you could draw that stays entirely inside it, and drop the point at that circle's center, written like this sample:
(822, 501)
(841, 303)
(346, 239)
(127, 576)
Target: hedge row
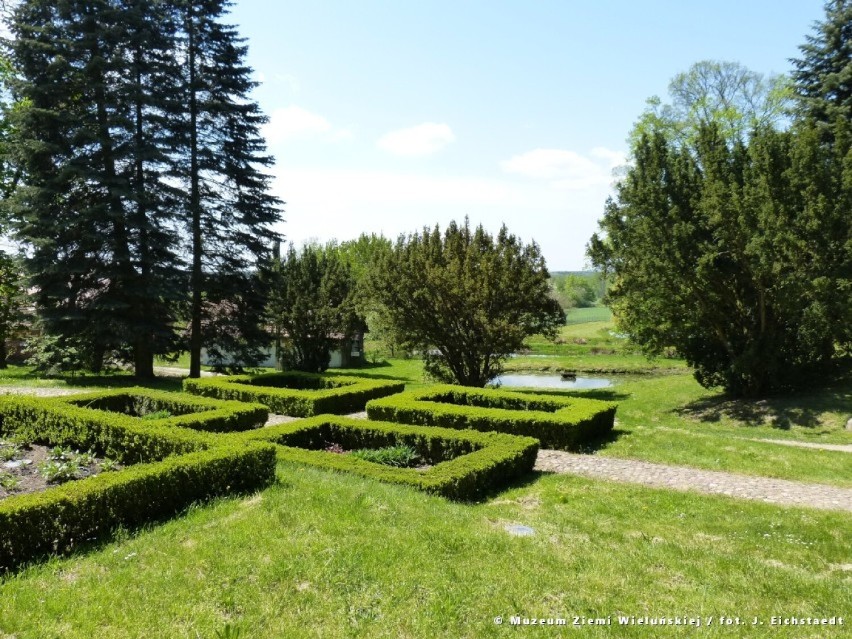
(564, 423)
(466, 465)
(175, 466)
(120, 437)
(294, 393)
(187, 411)
(61, 518)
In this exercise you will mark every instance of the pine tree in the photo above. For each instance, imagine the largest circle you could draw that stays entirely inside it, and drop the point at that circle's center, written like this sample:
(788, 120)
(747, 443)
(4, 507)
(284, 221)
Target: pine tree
(823, 75)
(230, 209)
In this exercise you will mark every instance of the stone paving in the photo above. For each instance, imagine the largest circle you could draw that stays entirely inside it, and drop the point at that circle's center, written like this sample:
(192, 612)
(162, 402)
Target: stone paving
(774, 491)
(280, 419)
(47, 391)
(843, 448)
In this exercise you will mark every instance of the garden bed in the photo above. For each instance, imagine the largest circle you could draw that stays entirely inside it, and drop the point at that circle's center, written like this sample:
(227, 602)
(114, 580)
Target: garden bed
(30, 468)
(296, 394)
(166, 410)
(166, 469)
(457, 465)
(565, 423)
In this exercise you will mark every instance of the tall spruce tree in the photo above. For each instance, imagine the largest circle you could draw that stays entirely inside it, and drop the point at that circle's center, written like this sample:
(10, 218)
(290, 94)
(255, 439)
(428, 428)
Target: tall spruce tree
(135, 118)
(230, 209)
(823, 75)
(96, 201)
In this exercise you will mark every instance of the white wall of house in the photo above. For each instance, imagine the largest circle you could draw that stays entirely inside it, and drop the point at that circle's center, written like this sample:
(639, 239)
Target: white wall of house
(269, 358)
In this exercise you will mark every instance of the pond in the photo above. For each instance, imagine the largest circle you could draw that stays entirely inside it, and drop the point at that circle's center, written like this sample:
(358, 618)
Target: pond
(530, 380)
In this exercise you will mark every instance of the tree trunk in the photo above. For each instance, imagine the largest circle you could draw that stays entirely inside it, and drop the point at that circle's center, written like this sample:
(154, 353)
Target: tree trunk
(143, 351)
(143, 358)
(196, 278)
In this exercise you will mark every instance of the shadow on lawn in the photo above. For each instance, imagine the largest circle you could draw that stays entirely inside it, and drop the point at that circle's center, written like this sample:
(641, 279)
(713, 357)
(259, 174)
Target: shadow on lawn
(519, 482)
(804, 409)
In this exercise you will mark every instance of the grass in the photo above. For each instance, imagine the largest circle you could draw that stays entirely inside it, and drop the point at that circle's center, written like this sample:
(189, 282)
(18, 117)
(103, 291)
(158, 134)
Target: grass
(588, 343)
(328, 555)
(673, 420)
(588, 315)
(322, 554)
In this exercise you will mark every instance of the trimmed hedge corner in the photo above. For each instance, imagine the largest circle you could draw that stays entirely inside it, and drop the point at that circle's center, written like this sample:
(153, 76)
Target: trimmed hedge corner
(466, 465)
(296, 394)
(187, 411)
(563, 423)
(175, 467)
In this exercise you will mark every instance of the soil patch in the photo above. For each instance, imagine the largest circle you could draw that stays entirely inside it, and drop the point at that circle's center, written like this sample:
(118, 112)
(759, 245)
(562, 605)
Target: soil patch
(32, 468)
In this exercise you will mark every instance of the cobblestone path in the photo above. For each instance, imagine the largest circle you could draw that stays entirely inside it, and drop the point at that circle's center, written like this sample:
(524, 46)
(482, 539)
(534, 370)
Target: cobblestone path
(843, 448)
(774, 491)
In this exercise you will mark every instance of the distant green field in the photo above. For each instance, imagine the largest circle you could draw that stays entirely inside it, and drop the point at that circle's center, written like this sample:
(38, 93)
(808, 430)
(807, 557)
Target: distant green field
(592, 314)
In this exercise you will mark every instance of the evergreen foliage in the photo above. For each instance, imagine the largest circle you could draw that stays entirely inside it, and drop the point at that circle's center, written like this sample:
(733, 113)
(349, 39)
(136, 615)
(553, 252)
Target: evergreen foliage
(823, 75)
(12, 302)
(312, 306)
(738, 255)
(134, 134)
(230, 209)
(464, 299)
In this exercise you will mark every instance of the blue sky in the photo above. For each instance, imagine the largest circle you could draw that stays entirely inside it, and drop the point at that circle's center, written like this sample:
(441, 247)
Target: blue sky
(388, 116)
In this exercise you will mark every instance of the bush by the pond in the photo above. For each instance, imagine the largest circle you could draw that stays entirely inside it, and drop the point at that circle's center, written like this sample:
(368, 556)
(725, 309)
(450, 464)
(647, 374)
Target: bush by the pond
(464, 465)
(295, 393)
(59, 519)
(564, 423)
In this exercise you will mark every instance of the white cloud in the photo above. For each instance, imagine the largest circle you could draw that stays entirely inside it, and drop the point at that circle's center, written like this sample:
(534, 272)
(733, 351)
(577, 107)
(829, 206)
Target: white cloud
(567, 170)
(614, 158)
(423, 139)
(296, 122)
(343, 203)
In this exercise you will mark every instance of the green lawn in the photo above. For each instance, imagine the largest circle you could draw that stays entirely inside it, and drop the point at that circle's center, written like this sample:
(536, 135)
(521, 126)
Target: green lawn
(673, 420)
(328, 555)
(322, 554)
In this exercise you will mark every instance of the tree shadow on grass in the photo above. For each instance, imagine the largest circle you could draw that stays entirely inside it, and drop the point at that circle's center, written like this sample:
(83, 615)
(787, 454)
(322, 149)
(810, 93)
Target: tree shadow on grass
(804, 409)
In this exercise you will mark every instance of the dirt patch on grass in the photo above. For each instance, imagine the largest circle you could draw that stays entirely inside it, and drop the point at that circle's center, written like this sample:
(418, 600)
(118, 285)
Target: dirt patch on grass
(31, 468)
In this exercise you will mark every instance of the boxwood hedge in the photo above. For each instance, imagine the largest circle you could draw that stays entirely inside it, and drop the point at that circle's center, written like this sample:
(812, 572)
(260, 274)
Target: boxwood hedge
(174, 467)
(564, 423)
(465, 465)
(186, 411)
(294, 393)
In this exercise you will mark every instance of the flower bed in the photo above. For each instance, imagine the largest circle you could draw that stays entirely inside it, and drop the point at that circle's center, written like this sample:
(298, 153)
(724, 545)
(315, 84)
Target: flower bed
(168, 468)
(457, 465)
(168, 410)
